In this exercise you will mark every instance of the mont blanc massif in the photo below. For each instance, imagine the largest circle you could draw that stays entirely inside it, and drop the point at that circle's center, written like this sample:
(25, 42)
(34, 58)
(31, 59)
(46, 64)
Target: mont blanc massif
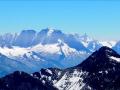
(53, 60)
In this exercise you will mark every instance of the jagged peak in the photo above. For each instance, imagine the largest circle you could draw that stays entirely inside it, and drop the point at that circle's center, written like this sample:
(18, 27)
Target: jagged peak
(50, 30)
(28, 31)
(85, 37)
(104, 52)
(106, 49)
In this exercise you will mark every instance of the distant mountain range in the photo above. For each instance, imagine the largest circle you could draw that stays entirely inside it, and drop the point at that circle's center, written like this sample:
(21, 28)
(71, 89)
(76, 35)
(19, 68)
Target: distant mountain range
(100, 71)
(29, 51)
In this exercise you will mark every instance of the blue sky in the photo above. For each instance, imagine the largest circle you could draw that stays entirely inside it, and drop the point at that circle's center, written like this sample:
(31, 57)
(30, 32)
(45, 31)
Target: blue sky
(99, 19)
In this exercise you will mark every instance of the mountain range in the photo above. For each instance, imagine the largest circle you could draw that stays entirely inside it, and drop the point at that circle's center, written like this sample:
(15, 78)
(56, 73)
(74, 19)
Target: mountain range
(100, 71)
(29, 51)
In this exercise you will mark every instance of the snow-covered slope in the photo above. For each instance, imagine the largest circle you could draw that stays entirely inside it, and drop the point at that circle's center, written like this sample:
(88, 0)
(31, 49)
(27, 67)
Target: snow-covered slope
(58, 55)
(71, 80)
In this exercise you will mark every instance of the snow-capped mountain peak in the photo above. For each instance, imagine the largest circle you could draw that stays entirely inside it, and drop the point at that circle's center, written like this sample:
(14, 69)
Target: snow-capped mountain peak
(85, 38)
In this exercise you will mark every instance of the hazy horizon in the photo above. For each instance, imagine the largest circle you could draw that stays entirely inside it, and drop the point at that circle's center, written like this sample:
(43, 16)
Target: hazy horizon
(99, 19)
